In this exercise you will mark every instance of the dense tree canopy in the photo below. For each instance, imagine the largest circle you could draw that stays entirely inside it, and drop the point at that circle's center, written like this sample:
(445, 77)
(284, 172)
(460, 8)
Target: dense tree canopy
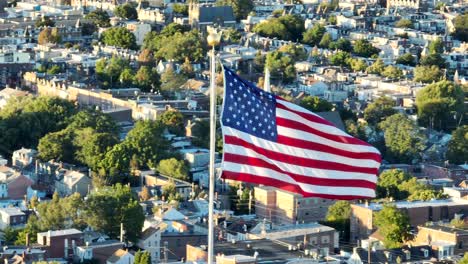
(340, 210)
(49, 35)
(174, 168)
(406, 59)
(281, 66)
(173, 120)
(100, 18)
(433, 59)
(393, 225)
(438, 103)
(180, 46)
(365, 49)
(180, 9)
(461, 27)
(403, 140)
(147, 79)
(108, 207)
(119, 37)
(315, 104)
(44, 21)
(314, 35)
(377, 67)
(378, 110)
(341, 44)
(392, 72)
(24, 120)
(288, 27)
(341, 58)
(142, 257)
(126, 11)
(427, 74)
(457, 151)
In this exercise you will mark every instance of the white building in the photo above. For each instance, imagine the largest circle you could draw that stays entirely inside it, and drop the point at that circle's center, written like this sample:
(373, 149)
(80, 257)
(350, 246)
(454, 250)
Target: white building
(151, 241)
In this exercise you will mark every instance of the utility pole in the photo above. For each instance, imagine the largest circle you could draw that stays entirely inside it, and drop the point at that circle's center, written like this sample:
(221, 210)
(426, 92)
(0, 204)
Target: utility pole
(250, 202)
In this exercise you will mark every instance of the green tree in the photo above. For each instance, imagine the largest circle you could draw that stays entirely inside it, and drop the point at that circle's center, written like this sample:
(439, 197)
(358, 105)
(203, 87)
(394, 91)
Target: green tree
(92, 146)
(379, 110)
(49, 35)
(437, 103)
(232, 35)
(393, 225)
(297, 52)
(403, 140)
(326, 40)
(57, 146)
(126, 11)
(109, 71)
(464, 260)
(31, 229)
(173, 168)
(174, 120)
(314, 35)
(142, 257)
(145, 194)
(392, 72)
(119, 37)
(108, 207)
(99, 17)
(44, 21)
(97, 120)
(281, 65)
(457, 151)
(126, 77)
(180, 9)
(179, 46)
(147, 79)
(377, 67)
(273, 28)
(55, 69)
(356, 129)
(341, 44)
(170, 193)
(340, 210)
(171, 81)
(365, 49)
(315, 104)
(357, 64)
(295, 26)
(406, 59)
(240, 7)
(436, 46)
(433, 59)
(461, 27)
(10, 235)
(340, 58)
(390, 183)
(427, 74)
(404, 23)
(146, 58)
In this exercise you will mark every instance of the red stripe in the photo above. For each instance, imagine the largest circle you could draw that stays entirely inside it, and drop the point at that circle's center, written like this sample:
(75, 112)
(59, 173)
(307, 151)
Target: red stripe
(305, 162)
(246, 177)
(316, 119)
(256, 162)
(289, 123)
(304, 144)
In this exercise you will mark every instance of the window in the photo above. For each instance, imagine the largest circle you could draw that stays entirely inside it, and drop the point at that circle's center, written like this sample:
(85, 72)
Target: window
(325, 239)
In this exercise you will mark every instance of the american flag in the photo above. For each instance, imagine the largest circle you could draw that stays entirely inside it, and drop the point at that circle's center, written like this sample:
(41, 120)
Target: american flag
(270, 141)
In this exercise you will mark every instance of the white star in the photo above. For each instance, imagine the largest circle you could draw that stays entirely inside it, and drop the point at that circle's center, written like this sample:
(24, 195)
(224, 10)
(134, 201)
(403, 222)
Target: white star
(250, 121)
(232, 96)
(245, 126)
(248, 102)
(235, 92)
(254, 129)
(227, 119)
(263, 131)
(272, 134)
(246, 113)
(234, 115)
(260, 124)
(238, 123)
(230, 108)
(231, 84)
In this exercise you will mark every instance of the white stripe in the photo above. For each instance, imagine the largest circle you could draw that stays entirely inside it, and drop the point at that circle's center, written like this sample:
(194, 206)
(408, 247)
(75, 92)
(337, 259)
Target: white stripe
(301, 170)
(300, 152)
(300, 134)
(309, 188)
(321, 127)
(298, 108)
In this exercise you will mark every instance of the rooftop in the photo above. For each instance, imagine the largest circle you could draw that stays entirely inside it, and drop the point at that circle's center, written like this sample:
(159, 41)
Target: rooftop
(63, 232)
(416, 204)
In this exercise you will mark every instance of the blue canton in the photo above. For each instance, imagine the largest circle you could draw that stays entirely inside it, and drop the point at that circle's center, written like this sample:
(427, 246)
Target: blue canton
(248, 108)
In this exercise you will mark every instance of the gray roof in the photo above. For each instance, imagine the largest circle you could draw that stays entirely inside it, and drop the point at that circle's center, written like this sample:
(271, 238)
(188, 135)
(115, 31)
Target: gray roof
(216, 13)
(334, 118)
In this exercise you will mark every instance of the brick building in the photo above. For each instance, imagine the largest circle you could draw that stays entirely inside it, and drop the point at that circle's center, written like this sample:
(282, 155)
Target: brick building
(444, 241)
(419, 212)
(61, 243)
(283, 207)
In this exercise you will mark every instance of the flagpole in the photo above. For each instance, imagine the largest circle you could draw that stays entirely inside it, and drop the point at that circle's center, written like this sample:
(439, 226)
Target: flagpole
(213, 39)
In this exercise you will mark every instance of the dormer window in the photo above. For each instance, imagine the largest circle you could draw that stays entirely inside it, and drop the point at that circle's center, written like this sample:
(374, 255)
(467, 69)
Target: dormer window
(426, 253)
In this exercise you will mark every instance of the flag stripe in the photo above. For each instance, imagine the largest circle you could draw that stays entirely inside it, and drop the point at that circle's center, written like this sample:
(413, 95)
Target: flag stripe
(321, 127)
(307, 149)
(304, 189)
(305, 162)
(299, 134)
(339, 153)
(256, 162)
(303, 127)
(303, 170)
